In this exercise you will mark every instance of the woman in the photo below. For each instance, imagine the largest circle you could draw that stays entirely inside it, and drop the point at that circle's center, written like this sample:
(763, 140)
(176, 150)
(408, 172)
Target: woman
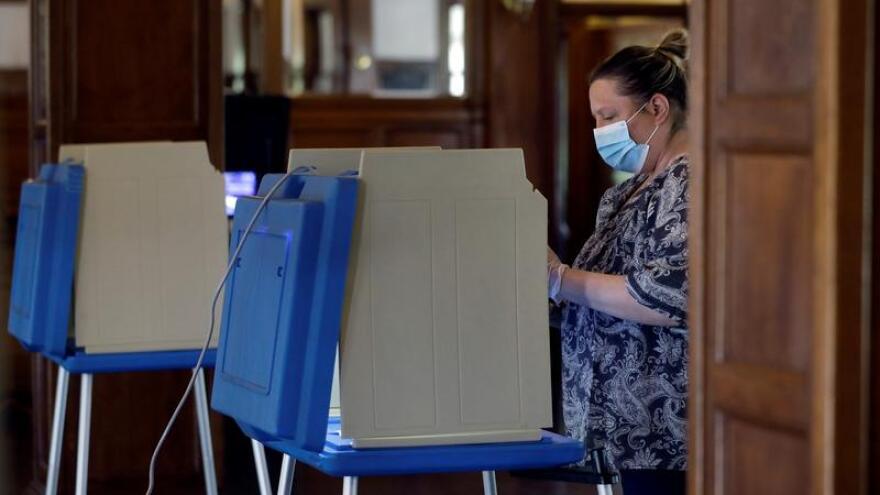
(624, 327)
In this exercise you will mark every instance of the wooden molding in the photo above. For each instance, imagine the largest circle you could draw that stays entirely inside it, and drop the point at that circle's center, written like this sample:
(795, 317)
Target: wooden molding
(272, 77)
(567, 9)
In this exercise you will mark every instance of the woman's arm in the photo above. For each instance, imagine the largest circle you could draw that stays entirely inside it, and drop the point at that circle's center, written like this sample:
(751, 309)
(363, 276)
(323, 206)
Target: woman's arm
(608, 294)
(655, 291)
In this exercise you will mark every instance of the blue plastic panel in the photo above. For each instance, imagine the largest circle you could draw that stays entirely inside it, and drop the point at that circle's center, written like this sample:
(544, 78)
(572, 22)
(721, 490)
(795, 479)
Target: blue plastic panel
(283, 308)
(45, 250)
(258, 291)
(338, 458)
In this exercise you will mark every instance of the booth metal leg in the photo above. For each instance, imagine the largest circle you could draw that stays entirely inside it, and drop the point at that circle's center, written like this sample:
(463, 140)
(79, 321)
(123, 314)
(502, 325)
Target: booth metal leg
(489, 486)
(605, 489)
(285, 481)
(57, 431)
(261, 468)
(205, 435)
(350, 485)
(85, 429)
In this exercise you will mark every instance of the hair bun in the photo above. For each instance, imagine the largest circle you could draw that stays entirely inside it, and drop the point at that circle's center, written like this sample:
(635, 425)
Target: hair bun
(675, 46)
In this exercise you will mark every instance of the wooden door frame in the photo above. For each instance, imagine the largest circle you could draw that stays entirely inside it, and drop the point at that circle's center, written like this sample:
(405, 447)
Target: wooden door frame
(874, 426)
(842, 333)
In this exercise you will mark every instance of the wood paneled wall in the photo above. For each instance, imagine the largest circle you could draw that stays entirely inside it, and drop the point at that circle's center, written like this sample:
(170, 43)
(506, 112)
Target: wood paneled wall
(15, 383)
(13, 138)
(520, 86)
(106, 70)
(778, 329)
(332, 122)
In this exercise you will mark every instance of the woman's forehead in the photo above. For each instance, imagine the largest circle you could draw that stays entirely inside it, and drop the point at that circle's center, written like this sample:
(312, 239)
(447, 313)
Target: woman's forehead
(604, 94)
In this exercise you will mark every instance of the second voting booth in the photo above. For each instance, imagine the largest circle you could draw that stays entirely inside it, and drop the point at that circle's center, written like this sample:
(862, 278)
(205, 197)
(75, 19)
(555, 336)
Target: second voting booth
(425, 271)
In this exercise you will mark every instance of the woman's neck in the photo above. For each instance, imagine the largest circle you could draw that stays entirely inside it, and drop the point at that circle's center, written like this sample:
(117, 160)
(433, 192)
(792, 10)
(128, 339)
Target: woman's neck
(675, 147)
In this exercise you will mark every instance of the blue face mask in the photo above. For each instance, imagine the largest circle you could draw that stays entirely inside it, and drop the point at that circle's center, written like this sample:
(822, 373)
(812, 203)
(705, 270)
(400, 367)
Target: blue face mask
(617, 147)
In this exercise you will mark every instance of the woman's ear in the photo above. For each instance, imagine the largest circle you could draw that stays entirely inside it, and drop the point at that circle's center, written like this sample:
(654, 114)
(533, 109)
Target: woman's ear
(659, 108)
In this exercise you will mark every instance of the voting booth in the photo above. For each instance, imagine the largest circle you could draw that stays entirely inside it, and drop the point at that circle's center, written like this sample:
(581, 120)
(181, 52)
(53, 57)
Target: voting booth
(425, 269)
(117, 252)
(118, 249)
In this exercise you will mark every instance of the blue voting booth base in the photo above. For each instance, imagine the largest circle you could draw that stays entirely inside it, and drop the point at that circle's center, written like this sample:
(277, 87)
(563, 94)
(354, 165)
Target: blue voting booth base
(79, 362)
(281, 318)
(338, 458)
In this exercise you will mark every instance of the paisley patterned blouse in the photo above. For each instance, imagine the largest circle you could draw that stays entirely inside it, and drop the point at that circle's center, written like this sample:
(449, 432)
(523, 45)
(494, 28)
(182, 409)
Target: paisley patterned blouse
(624, 384)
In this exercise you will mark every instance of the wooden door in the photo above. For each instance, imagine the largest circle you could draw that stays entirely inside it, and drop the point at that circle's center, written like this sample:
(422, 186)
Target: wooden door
(588, 177)
(110, 71)
(778, 323)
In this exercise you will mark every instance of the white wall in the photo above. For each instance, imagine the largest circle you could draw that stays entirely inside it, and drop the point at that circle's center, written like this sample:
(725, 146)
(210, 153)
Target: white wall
(14, 35)
(406, 30)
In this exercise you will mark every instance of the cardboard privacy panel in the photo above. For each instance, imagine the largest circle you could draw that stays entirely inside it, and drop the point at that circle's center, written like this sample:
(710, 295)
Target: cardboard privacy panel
(444, 339)
(152, 247)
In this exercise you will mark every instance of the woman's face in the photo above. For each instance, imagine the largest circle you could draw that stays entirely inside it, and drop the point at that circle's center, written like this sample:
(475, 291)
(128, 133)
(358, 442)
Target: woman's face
(609, 106)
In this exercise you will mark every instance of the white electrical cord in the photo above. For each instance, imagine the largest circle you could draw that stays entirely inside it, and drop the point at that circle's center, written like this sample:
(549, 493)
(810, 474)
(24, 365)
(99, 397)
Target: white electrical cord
(207, 343)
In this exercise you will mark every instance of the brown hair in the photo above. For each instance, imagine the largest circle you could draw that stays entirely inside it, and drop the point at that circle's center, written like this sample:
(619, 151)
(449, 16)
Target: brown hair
(644, 71)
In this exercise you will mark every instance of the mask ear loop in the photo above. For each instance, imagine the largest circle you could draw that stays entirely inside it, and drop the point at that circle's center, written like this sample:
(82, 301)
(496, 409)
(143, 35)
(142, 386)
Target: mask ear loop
(656, 128)
(638, 111)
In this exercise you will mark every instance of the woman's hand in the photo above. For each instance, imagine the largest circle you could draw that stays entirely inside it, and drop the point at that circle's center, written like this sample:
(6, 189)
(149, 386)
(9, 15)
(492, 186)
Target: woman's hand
(552, 259)
(555, 271)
